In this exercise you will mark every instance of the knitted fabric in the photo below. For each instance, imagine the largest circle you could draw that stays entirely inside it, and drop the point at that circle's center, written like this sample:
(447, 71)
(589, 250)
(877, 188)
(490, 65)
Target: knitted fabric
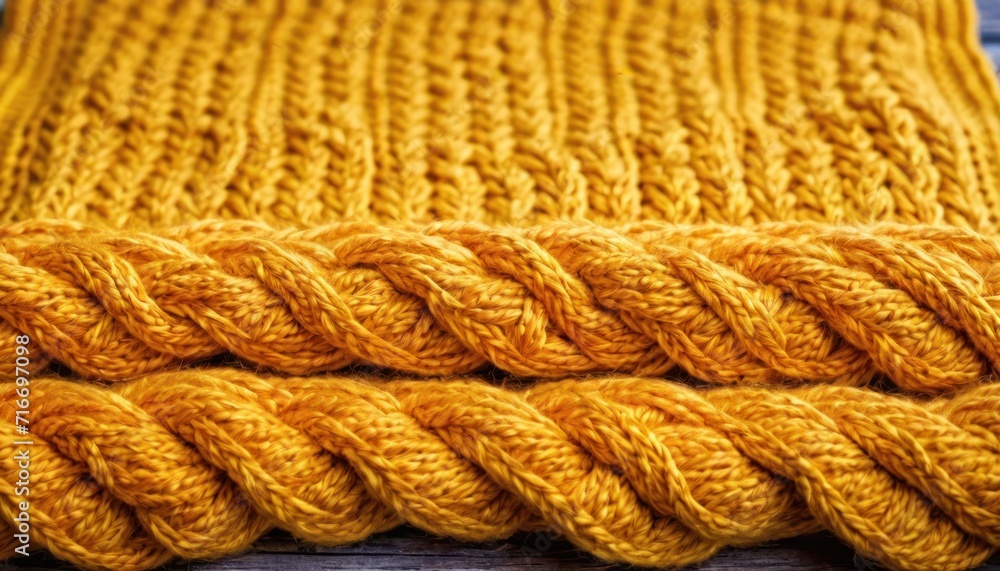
(200, 463)
(153, 112)
(778, 302)
(796, 198)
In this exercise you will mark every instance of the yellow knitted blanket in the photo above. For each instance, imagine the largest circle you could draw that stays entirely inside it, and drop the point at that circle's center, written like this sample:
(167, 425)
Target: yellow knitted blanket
(128, 113)
(601, 203)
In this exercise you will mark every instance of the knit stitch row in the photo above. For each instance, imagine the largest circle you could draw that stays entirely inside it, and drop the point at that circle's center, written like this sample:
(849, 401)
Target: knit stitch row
(155, 112)
(731, 305)
(199, 463)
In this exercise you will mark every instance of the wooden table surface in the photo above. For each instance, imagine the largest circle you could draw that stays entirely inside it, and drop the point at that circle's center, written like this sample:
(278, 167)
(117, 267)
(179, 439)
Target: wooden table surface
(409, 548)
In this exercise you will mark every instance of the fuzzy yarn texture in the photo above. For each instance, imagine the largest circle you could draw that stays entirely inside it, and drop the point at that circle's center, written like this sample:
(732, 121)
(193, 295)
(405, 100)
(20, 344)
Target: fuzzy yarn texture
(199, 463)
(799, 199)
(155, 112)
(777, 302)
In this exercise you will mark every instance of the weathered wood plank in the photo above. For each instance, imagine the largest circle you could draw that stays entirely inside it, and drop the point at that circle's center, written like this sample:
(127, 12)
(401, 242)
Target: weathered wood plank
(408, 548)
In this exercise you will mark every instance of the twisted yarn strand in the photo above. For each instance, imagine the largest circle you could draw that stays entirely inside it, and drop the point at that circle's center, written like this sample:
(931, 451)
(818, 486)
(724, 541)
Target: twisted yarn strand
(772, 303)
(199, 463)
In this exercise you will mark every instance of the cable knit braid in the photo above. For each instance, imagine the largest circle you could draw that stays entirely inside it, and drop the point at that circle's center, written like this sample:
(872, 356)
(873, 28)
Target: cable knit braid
(777, 302)
(143, 113)
(754, 193)
(199, 463)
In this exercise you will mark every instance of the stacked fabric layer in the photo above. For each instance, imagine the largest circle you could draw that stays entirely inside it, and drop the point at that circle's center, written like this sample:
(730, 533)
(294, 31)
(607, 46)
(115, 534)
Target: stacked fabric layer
(604, 205)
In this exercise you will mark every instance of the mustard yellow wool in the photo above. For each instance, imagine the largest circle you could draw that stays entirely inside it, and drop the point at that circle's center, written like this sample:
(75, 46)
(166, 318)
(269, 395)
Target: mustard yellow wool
(765, 304)
(794, 198)
(155, 112)
(199, 463)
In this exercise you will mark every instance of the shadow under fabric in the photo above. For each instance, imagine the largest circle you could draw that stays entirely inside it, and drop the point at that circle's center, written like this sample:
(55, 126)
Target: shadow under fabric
(363, 206)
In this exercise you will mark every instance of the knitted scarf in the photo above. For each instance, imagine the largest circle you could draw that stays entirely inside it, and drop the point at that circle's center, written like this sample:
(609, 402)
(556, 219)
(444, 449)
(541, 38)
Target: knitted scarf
(660, 276)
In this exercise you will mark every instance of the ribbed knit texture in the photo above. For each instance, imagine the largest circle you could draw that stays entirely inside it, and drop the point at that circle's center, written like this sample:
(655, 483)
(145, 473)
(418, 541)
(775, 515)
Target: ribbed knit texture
(796, 198)
(153, 112)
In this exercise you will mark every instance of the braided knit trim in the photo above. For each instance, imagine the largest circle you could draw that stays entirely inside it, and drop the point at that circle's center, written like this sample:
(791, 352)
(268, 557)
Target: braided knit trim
(730, 305)
(156, 112)
(199, 463)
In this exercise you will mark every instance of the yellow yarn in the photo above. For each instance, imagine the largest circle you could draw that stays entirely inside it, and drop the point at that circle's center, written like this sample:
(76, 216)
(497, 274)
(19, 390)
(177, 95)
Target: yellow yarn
(199, 463)
(154, 112)
(778, 302)
(747, 191)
